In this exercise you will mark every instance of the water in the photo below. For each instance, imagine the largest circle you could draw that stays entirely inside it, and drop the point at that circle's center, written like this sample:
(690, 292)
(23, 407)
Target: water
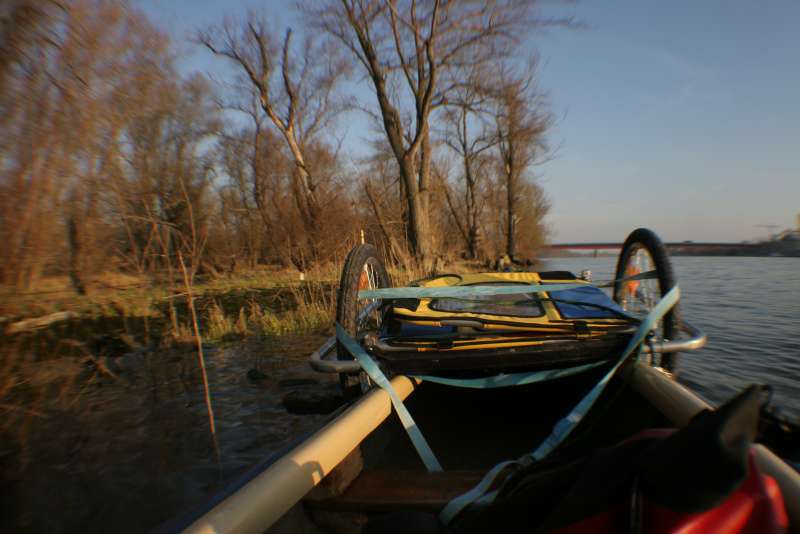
(125, 454)
(750, 309)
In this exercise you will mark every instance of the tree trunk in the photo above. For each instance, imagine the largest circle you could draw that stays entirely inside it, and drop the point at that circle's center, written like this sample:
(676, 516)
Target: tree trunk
(76, 274)
(472, 243)
(472, 211)
(511, 221)
(418, 220)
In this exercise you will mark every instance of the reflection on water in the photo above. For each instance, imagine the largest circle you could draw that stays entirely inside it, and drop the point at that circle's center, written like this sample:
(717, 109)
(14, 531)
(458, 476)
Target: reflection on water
(123, 455)
(750, 309)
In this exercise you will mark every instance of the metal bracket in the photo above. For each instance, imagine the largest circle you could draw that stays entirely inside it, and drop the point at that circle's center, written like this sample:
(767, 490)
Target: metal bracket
(319, 358)
(696, 340)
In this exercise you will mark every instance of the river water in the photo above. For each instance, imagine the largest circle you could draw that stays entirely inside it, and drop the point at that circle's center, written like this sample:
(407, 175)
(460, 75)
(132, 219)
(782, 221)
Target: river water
(125, 454)
(750, 309)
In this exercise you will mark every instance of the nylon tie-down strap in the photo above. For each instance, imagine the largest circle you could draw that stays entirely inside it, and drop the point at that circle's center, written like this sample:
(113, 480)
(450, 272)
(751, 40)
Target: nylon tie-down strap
(498, 381)
(505, 380)
(396, 293)
(566, 425)
(560, 431)
(377, 376)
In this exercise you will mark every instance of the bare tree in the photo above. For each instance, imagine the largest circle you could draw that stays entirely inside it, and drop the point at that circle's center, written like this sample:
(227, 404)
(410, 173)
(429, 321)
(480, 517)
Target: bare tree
(28, 101)
(168, 172)
(21, 23)
(472, 138)
(295, 92)
(112, 159)
(409, 49)
(256, 168)
(521, 122)
(64, 98)
(381, 193)
(99, 58)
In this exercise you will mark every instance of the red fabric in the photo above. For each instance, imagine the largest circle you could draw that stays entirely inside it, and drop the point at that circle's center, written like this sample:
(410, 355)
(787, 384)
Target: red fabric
(755, 508)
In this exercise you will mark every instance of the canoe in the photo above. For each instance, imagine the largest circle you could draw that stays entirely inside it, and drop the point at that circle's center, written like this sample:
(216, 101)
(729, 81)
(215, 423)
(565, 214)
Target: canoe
(300, 488)
(364, 470)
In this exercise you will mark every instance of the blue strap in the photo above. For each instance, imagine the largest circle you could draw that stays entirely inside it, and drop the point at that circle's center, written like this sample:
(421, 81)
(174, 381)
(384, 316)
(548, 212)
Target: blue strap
(417, 439)
(390, 293)
(377, 376)
(461, 291)
(515, 379)
(454, 507)
(566, 425)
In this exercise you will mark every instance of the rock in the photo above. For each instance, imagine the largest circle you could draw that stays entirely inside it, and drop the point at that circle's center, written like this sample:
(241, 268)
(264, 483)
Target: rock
(295, 382)
(256, 375)
(305, 402)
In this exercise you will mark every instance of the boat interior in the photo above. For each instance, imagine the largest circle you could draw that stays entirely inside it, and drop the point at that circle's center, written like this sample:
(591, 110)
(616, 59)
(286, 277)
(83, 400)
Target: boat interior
(583, 446)
(470, 431)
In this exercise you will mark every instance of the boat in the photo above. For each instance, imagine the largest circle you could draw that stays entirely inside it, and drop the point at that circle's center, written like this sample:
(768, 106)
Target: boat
(463, 417)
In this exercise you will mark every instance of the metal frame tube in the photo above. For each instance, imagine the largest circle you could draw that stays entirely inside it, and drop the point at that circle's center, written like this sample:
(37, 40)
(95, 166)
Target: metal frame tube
(318, 361)
(697, 339)
(679, 405)
(265, 499)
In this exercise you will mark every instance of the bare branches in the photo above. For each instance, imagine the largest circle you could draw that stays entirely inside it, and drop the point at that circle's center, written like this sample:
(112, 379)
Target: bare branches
(296, 93)
(140, 164)
(471, 136)
(299, 98)
(520, 124)
(419, 43)
(201, 360)
(287, 82)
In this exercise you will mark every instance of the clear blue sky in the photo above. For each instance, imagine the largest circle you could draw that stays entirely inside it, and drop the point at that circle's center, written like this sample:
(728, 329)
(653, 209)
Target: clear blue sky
(680, 116)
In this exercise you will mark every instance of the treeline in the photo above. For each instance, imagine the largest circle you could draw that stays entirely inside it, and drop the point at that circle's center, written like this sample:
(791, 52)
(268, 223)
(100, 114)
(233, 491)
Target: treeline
(110, 159)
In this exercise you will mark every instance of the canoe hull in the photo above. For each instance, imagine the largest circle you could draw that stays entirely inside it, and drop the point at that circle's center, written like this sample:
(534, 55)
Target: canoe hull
(270, 500)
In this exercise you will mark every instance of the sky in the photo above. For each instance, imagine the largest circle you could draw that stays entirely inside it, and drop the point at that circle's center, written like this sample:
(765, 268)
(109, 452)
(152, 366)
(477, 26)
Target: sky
(679, 116)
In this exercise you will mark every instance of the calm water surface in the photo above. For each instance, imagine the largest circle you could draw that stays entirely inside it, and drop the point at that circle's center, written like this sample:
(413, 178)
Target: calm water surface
(750, 309)
(125, 454)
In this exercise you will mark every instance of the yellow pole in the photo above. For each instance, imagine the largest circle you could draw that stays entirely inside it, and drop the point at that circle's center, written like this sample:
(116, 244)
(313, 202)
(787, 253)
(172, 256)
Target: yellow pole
(265, 499)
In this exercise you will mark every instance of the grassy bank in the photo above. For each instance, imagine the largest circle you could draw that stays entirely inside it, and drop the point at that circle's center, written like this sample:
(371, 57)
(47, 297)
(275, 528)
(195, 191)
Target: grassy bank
(132, 337)
(122, 312)
(263, 302)
(146, 310)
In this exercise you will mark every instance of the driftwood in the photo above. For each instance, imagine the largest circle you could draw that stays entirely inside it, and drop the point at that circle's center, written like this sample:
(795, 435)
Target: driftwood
(39, 322)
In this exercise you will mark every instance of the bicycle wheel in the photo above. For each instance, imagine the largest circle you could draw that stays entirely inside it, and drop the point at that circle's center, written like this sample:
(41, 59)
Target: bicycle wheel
(363, 269)
(643, 251)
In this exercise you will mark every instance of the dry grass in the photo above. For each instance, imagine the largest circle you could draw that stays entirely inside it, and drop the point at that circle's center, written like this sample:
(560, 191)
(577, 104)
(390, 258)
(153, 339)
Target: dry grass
(220, 326)
(312, 310)
(262, 302)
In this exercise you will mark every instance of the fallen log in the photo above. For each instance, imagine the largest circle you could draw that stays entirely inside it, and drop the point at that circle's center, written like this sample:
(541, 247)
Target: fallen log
(27, 325)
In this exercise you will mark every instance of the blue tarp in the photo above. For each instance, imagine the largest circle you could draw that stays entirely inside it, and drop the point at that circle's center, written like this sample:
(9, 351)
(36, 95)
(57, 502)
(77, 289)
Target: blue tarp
(571, 303)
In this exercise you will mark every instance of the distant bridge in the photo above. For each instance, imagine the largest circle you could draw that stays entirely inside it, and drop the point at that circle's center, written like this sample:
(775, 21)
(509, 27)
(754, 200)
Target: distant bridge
(686, 247)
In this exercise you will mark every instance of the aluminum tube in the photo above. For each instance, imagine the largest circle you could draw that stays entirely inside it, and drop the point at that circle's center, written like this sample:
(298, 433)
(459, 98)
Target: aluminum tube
(697, 339)
(265, 499)
(679, 405)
